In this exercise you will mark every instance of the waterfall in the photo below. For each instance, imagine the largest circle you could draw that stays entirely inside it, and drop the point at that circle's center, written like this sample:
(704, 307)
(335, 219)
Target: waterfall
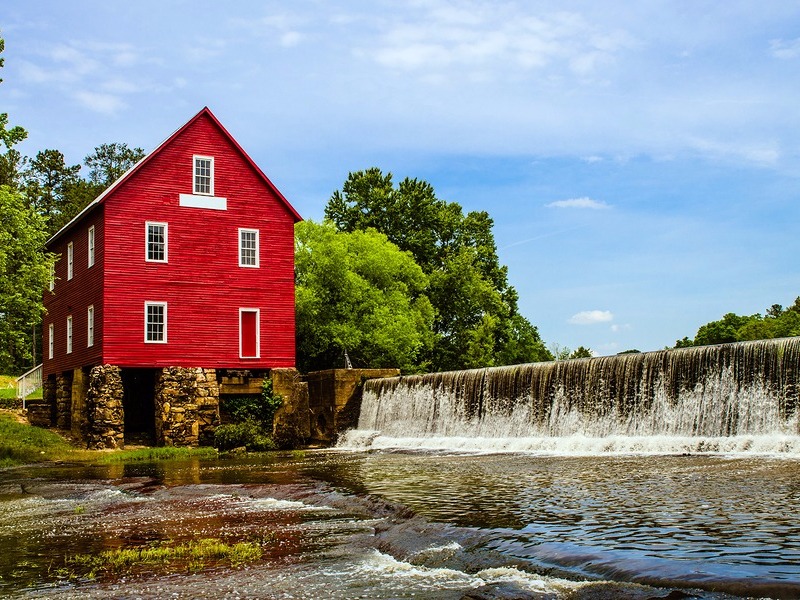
(739, 397)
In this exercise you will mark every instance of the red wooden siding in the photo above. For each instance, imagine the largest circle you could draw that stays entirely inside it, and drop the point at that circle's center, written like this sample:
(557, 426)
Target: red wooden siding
(73, 297)
(202, 283)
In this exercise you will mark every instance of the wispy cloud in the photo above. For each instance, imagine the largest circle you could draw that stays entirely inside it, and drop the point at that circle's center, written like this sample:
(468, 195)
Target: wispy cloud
(785, 49)
(584, 202)
(591, 317)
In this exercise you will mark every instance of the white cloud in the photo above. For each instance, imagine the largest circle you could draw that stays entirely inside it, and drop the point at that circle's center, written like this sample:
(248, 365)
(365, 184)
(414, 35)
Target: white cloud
(785, 49)
(591, 317)
(583, 202)
(290, 39)
(102, 103)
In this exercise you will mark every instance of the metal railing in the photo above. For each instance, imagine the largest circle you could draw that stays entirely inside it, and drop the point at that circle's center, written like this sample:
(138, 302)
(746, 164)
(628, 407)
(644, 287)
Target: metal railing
(28, 383)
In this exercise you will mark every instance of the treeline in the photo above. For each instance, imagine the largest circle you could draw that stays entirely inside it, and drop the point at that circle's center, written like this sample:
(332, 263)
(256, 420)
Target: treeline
(397, 277)
(776, 322)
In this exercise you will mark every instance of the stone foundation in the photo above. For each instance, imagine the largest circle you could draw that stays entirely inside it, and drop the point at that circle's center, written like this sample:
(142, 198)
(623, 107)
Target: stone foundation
(41, 413)
(187, 406)
(79, 408)
(64, 401)
(104, 426)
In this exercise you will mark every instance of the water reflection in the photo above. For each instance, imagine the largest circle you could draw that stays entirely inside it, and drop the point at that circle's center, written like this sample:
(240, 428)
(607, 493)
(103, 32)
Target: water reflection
(713, 522)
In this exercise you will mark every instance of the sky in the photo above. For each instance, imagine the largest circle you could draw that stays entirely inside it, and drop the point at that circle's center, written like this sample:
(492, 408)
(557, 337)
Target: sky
(640, 160)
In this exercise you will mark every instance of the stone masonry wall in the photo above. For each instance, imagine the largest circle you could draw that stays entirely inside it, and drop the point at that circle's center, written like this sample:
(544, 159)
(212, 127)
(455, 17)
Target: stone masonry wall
(64, 401)
(187, 406)
(105, 426)
(41, 413)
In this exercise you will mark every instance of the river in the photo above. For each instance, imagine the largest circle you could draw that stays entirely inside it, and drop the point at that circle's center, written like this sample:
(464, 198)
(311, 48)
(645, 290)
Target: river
(424, 524)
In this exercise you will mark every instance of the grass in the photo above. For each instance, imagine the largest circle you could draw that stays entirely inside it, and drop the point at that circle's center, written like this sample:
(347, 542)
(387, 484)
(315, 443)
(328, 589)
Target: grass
(8, 392)
(151, 454)
(20, 443)
(24, 444)
(166, 557)
(8, 387)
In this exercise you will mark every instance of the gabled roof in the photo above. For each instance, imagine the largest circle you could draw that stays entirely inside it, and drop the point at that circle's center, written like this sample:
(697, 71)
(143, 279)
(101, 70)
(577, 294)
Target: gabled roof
(204, 112)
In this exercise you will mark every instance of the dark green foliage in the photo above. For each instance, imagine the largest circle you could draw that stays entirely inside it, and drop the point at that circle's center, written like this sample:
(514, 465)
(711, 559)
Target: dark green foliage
(253, 416)
(247, 434)
(24, 273)
(777, 322)
(581, 352)
(109, 162)
(476, 321)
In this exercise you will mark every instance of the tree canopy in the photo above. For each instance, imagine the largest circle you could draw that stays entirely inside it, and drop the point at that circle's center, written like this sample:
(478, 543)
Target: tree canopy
(476, 321)
(357, 292)
(776, 322)
(24, 273)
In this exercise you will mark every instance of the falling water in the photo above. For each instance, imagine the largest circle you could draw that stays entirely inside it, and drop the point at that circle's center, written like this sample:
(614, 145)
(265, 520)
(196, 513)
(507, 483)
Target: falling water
(739, 397)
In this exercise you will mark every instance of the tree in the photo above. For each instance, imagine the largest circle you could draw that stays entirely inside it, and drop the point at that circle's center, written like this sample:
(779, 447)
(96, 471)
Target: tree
(49, 182)
(777, 322)
(357, 292)
(24, 273)
(581, 352)
(109, 162)
(10, 160)
(477, 321)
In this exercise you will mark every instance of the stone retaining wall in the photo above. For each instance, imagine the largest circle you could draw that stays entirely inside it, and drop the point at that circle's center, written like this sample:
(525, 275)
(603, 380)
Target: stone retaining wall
(105, 424)
(187, 406)
(64, 401)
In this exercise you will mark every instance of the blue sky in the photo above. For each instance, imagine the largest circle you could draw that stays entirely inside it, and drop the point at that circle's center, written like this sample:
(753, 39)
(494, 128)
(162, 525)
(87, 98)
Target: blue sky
(641, 160)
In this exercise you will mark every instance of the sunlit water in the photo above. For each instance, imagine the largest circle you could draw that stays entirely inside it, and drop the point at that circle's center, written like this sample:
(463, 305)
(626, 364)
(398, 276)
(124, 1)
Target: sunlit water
(427, 524)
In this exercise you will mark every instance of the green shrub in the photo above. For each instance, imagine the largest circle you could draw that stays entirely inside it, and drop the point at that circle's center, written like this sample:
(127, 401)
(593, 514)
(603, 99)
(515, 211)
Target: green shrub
(248, 434)
(252, 418)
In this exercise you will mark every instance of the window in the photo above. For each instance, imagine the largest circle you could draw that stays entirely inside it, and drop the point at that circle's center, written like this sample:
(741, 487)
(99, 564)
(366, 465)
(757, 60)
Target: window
(70, 260)
(248, 247)
(90, 327)
(52, 277)
(155, 322)
(51, 342)
(204, 175)
(156, 242)
(91, 246)
(69, 334)
(249, 335)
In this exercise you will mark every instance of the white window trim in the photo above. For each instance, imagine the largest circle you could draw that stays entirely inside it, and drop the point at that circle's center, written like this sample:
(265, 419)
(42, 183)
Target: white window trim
(52, 277)
(147, 226)
(70, 261)
(149, 303)
(51, 343)
(258, 331)
(258, 248)
(69, 334)
(90, 326)
(194, 174)
(91, 239)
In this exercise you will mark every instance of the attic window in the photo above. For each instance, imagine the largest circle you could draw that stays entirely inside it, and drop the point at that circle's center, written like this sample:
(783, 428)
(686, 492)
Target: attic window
(204, 175)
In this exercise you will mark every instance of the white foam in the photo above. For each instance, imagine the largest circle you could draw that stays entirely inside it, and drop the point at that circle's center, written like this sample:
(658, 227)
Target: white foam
(777, 445)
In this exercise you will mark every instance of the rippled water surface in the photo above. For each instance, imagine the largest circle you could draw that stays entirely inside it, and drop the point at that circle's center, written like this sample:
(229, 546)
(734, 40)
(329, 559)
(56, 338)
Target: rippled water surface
(534, 526)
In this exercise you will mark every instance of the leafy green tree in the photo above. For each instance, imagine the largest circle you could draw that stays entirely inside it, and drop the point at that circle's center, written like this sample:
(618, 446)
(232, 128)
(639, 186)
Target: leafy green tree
(581, 352)
(477, 321)
(24, 273)
(357, 292)
(109, 162)
(10, 159)
(722, 331)
(49, 182)
(777, 322)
